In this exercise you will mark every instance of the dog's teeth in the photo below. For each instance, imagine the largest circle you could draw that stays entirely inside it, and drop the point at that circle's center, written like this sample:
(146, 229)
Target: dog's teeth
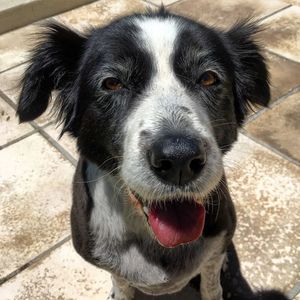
(146, 210)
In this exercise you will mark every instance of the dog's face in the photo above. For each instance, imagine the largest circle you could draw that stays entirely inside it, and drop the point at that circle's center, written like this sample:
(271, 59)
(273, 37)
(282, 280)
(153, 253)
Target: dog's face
(156, 99)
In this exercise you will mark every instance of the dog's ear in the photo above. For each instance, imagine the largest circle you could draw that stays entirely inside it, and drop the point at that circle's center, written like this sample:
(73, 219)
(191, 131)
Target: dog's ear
(53, 66)
(251, 77)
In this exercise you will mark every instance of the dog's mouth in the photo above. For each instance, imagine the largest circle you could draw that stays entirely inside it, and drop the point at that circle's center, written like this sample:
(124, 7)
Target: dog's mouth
(174, 221)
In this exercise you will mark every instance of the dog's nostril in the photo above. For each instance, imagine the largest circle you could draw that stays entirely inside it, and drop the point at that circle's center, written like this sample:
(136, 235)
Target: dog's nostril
(158, 164)
(196, 165)
(165, 165)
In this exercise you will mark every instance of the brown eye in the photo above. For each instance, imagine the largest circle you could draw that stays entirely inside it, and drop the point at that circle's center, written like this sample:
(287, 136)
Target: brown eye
(208, 78)
(112, 84)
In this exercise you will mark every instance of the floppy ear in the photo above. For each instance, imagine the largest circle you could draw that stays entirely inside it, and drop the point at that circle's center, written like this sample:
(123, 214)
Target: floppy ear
(53, 66)
(251, 77)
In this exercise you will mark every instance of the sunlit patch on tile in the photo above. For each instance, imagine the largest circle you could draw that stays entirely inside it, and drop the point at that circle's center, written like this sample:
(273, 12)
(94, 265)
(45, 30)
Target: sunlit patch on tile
(265, 189)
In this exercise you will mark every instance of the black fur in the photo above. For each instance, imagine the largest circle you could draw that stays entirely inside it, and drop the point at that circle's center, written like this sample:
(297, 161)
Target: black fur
(251, 77)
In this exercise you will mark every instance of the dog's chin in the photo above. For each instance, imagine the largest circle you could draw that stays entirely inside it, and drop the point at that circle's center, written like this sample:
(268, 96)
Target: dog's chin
(174, 221)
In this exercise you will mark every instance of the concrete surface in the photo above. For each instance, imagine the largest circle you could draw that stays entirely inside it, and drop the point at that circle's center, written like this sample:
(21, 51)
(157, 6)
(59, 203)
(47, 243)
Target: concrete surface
(17, 13)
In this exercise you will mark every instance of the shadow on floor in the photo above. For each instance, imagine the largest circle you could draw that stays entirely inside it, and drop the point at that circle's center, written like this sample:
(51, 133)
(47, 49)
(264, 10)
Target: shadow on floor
(187, 293)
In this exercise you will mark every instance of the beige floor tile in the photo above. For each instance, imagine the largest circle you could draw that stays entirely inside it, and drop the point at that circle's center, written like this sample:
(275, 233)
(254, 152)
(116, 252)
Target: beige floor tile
(62, 275)
(10, 80)
(14, 47)
(280, 126)
(224, 13)
(265, 189)
(101, 13)
(293, 2)
(9, 84)
(35, 189)
(283, 34)
(164, 2)
(68, 142)
(9, 127)
(285, 75)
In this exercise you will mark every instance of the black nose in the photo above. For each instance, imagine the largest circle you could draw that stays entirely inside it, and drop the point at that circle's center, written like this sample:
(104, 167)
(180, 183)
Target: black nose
(177, 160)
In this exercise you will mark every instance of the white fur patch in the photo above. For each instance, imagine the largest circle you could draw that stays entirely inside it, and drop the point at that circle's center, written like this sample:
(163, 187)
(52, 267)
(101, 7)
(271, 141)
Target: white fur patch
(158, 37)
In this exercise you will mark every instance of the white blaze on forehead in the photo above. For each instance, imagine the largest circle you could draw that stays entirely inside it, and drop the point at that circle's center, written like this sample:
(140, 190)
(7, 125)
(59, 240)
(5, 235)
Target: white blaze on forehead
(165, 93)
(159, 36)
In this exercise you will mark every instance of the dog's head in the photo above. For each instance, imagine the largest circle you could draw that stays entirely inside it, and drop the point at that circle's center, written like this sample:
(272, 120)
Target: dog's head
(156, 98)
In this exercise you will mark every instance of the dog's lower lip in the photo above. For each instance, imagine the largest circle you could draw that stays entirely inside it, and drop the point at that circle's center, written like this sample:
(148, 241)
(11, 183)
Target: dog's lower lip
(146, 210)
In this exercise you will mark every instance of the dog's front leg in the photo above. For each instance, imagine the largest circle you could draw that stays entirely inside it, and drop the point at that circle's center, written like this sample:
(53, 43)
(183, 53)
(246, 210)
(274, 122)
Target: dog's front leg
(120, 290)
(210, 287)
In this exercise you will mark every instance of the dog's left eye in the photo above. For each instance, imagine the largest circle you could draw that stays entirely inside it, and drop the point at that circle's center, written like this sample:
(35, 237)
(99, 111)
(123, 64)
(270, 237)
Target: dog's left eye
(208, 78)
(112, 84)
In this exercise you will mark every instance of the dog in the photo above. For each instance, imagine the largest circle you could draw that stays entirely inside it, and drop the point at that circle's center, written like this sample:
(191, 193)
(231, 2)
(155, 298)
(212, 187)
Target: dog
(154, 100)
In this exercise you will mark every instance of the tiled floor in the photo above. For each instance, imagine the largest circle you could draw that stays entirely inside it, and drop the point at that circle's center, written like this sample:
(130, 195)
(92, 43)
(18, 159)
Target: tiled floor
(37, 260)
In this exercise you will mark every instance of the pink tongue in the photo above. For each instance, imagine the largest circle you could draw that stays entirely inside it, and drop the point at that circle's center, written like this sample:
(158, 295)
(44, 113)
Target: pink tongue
(176, 223)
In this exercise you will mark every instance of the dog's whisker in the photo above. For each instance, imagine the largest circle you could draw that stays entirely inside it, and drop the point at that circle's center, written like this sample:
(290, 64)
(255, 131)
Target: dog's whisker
(121, 189)
(100, 177)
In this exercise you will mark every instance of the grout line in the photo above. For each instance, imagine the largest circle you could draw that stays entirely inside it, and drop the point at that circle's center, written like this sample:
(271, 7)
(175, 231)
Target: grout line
(15, 66)
(37, 258)
(281, 56)
(158, 5)
(274, 13)
(175, 2)
(35, 11)
(279, 100)
(42, 132)
(150, 3)
(273, 104)
(256, 115)
(56, 145)
(14, 106)
(8, 100)
(294, 292)
(22, 137)
(268, 16)
(270, 147)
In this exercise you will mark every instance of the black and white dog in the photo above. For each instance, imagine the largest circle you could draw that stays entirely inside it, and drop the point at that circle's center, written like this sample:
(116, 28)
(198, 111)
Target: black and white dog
(154, 101)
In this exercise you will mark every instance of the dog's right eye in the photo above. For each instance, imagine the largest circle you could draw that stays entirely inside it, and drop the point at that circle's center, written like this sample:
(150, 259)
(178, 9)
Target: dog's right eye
(112, 84)
(208, 78)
